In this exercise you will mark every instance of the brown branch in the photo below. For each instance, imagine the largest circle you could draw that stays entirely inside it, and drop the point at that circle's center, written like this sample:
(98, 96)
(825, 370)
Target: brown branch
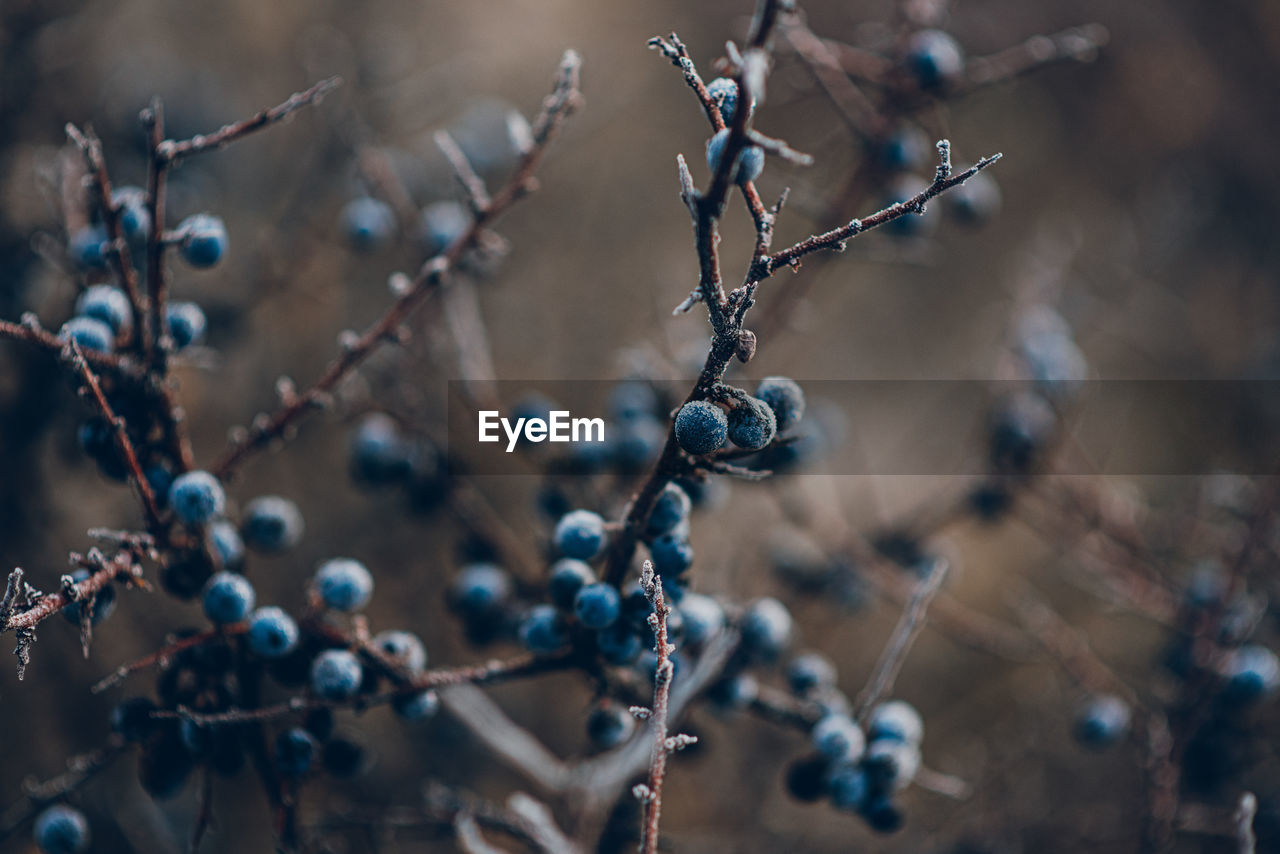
(557, 107)
(29, 331)
(122, 566)
(651, 793)
(80, 769)
(165, 654)
(1080, 44)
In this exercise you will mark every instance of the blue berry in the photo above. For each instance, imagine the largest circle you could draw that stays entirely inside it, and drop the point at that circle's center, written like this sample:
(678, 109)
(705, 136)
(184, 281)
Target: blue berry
(1252, 674)
(568, 576)
(204, 240)
(579, 534)
(98, 441)
(368, 223)
(785, 398)
(135, 220)
(108, 304)
(633, 399)
(848, 787)
(750, 159)
(598, 605)
(672, 555)
(272, 633)
(132, 720)
(1021, 427)
(703, 618)
(905, 150)
(609, 724)
(60, 829)
(671, 508)
(701, 427)
(838, 738)
(344, 584)
(974, 202)
(934, 59)
(618, 644)
(891, 764)
(766, 629)
(895, 720)
(636, 443)
(90, 333)
(227, 544)
(104, 602)
(272, 524)
(882, 814)
(88, 247)
(725, 93)
(809, 672)
(442, 224)
(752, 425)
(541, 631)
(807, 778)
(344, 756)
(481, 590)
(197, 497)
(416, 707)
(186, 323)
(1102, 721)
(379, 453)
(405, 648)
(336, 674)
(296, 749)
(732, 693)
(159, 478)
(228, 598)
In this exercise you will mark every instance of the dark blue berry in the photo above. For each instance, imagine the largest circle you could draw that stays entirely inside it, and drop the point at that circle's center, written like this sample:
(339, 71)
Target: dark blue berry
(934, 59)
(905, 150)
(597, 606)
(344, 584)
(1021, 427)
(228, 598)
(197, 497)
(671, 509)
(809, 672)
(108, 304)
(672, 555)
(204, 240)
(227, 544)
(443, 223)
(752, 424)
(60, 829)
(619, 644)
(405, 648)
(766, 629)
(634, 444)
(807, 778)
(1102, 721)
(541, 631)
(296, 749)
(891, 764)
(701, 427)
(838, 738)
(750, 159)
(88, 247)
(1252, 673)
(135, 221)
(98, 441)
(336, 674)
(882, 814)
(272, 524)
(88, 332)
(848, 787)
(368, 223)
(416, 707)
(579, 534)
(735, 692)
(785, 398)
(568, 576)
(186, 323)
(104, 601)
(379, 453)
(132, 720)
(725, 93)
(272, 633)
(344, 756)
(974, 202)
(165, 764)
(703, 618)
(481, 590)
(609, 724)
(895, 720)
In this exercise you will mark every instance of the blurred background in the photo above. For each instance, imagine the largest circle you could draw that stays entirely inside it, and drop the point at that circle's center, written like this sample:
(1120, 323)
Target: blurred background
(1139, 198)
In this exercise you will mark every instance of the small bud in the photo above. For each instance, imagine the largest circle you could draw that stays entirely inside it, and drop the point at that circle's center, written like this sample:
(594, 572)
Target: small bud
(746, 345)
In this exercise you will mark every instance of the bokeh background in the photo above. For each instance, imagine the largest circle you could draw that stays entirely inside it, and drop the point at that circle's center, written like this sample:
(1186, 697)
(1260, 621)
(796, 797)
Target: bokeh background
(1140, 195)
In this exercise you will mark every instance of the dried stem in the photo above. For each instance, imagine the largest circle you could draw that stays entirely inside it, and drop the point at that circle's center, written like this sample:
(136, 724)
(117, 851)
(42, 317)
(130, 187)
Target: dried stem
(651, 794)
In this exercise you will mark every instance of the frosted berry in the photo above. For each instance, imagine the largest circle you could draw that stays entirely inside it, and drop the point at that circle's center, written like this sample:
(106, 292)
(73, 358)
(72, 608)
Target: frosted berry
(135, 220)
(701, 427)
(442, 224)
(204, 240)
(752, 425)
(271, 524)
(197, 497)
(568, 576)
(228, 598)
(838, 738)
(725, 93)
(186, 323)
(895, 720)
(296, 750)
(368, 223)
(848, 787)
(416, 707)
(597, 606)
(1252, 674)
(227, 544)
(785, 398)
(766, 628)
(60, 829)
(405, 648)
(108, 304)
(671, 509)
(579, 534)
(934, 59)
(609, 724)
(272, 633)
(891, 764)
(379, 453)
(672, 555)
(344, 584)
(974, 202)
(809, 672)
(88, 247)
(703, 618)
(89, 333)
(541, 631)
(750, 159)
(336, 674)
(481, 590)
(1102, 721)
